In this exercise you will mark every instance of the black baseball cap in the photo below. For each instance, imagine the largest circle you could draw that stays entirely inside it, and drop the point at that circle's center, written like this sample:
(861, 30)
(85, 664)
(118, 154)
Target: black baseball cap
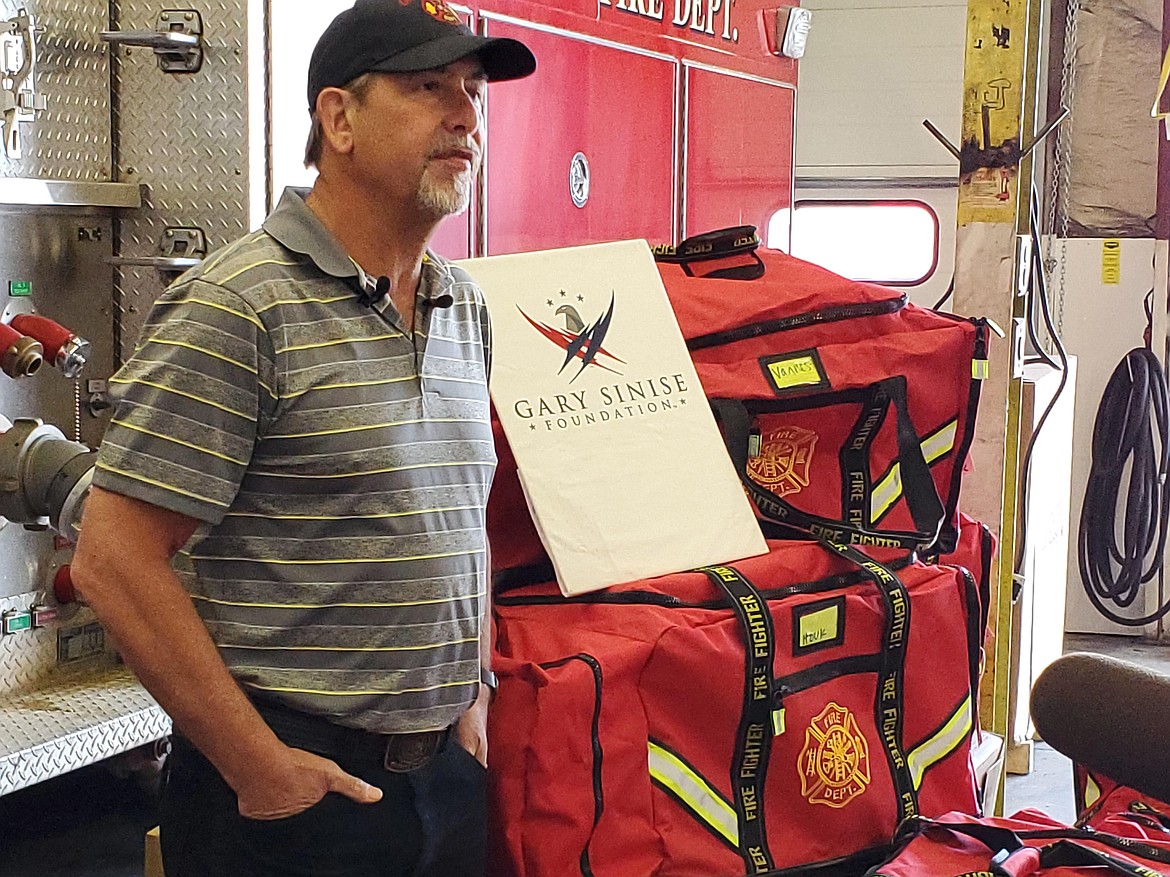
(403, 36)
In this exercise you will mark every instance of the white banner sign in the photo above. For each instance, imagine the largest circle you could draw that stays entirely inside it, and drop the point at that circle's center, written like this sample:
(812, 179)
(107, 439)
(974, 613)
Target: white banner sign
(621, 461)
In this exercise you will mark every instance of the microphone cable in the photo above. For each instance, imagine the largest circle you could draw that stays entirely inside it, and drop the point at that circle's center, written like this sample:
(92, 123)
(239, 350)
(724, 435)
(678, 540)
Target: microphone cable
(1130, 432)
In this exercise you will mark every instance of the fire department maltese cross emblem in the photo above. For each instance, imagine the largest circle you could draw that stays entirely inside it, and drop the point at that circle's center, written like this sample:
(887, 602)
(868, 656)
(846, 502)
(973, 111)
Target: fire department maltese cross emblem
(440, 11)
(785, 458)
(834, 764)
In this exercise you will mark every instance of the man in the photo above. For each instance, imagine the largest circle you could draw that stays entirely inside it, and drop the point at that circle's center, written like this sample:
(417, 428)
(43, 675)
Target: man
(286, 534)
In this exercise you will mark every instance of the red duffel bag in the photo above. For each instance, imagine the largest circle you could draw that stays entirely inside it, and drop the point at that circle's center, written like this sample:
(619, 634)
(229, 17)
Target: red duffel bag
(787, 713)
(847, 410)
(974, 551)
(1129, 835)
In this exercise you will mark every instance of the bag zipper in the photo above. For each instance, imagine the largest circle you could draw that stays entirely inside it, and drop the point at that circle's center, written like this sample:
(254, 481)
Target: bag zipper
(652, 598)
(808, 318)
(595, 741)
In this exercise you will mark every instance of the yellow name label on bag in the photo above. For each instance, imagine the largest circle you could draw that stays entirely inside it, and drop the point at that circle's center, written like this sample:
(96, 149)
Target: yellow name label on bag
(818, 627)
(795, 371)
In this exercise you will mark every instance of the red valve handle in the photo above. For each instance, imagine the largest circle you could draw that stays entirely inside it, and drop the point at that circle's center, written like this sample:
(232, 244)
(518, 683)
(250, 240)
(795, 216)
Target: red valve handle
(63, 586)
(20, 355)
(8, 336)
(51, 334)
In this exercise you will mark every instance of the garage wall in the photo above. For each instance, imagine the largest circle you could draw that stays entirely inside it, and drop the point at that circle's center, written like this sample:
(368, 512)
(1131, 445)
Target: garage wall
(868, 79)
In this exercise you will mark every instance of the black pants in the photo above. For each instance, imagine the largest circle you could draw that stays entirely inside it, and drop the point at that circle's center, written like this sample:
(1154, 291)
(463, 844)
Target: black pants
(429, 823)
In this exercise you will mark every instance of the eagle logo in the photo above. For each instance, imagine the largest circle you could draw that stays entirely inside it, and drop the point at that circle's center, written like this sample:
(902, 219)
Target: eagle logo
(581, 341)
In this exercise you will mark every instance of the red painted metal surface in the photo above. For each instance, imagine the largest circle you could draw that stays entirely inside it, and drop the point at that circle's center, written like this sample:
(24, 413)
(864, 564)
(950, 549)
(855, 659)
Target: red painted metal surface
(733, 36)
(614, 106)
(739, 151)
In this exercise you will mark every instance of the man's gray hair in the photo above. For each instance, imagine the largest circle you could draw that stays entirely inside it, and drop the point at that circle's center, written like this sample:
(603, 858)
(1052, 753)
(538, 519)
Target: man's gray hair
(359, 88)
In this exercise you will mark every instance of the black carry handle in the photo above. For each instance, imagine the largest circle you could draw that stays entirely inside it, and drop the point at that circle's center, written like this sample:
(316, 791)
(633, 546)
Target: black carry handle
(724, 243)
(1012, 858)
(922, 499)
(926, 506)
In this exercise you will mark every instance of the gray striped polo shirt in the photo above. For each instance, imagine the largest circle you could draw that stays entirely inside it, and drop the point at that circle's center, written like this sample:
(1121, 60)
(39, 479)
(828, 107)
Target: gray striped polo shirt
(341, 470)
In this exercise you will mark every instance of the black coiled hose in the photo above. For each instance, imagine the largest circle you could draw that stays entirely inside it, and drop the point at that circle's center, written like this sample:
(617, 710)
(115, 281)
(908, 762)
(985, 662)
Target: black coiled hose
(1124, 437)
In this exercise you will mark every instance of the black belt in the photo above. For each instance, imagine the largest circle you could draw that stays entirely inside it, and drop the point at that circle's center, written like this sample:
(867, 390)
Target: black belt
(398, 753)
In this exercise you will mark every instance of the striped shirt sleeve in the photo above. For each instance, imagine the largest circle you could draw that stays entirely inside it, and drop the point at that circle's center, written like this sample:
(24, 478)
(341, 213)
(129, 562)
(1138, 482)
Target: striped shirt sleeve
(190, 403)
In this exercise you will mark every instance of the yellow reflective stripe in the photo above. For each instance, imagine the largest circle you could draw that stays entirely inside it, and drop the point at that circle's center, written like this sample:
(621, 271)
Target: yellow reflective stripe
(981, 369)
(364, 427)
(704, 802)
(889, 489)
(170, 488)
(942, 744)
(1092, 791)
(173, 440)
(190, 396)
(779, 722)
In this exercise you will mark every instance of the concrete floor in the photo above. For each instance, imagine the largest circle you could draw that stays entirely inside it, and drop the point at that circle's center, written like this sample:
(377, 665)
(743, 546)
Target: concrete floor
(91, 823)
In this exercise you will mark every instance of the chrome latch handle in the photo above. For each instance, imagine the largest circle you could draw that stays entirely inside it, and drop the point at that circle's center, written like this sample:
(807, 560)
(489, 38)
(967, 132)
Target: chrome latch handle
(177, 40)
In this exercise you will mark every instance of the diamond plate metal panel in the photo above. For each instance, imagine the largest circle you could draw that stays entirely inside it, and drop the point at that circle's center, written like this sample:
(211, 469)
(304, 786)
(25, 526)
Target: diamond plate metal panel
(186, 137)
(28, 657)
(77, 719)
(70, 139)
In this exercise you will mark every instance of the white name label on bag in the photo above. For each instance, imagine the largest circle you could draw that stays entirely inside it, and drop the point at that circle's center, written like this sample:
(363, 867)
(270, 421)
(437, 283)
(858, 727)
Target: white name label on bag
(621, 461)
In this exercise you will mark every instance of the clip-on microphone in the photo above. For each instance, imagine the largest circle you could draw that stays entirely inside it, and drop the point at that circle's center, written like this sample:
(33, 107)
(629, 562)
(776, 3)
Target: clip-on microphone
(371, 296)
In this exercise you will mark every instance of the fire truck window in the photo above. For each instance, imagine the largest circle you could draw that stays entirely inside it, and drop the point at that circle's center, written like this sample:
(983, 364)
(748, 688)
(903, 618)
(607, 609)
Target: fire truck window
(294, 28)
(890, 242)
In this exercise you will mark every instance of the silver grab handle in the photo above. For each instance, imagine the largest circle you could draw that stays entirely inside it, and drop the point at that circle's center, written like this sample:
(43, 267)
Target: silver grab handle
(151, 39)
(162, 263)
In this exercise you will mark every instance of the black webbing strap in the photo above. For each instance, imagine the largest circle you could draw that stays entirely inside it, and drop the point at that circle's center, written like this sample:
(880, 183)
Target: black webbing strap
(717, 246)
(1065, 853)
(1149, 815)
(753, 743)
(856, 485)
(922, 499)
(1013, 858)
(888, 704)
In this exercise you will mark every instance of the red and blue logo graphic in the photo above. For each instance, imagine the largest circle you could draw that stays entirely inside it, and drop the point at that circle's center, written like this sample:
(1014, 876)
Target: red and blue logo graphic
(581, 341)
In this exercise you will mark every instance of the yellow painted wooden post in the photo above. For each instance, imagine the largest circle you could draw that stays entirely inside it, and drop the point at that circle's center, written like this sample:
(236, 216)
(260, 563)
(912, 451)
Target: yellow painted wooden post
(1001, 61)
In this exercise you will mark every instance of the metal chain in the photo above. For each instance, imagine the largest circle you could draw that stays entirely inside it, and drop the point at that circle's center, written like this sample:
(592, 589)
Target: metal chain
(1058, 208)
(77, 410)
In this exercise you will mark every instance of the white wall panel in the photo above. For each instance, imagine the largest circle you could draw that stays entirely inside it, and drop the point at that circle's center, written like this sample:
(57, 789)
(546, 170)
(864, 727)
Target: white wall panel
(868, 79)
(1101, 324)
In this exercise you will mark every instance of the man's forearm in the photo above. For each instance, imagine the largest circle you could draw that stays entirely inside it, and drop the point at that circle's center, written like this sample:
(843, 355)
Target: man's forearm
(149, 614)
